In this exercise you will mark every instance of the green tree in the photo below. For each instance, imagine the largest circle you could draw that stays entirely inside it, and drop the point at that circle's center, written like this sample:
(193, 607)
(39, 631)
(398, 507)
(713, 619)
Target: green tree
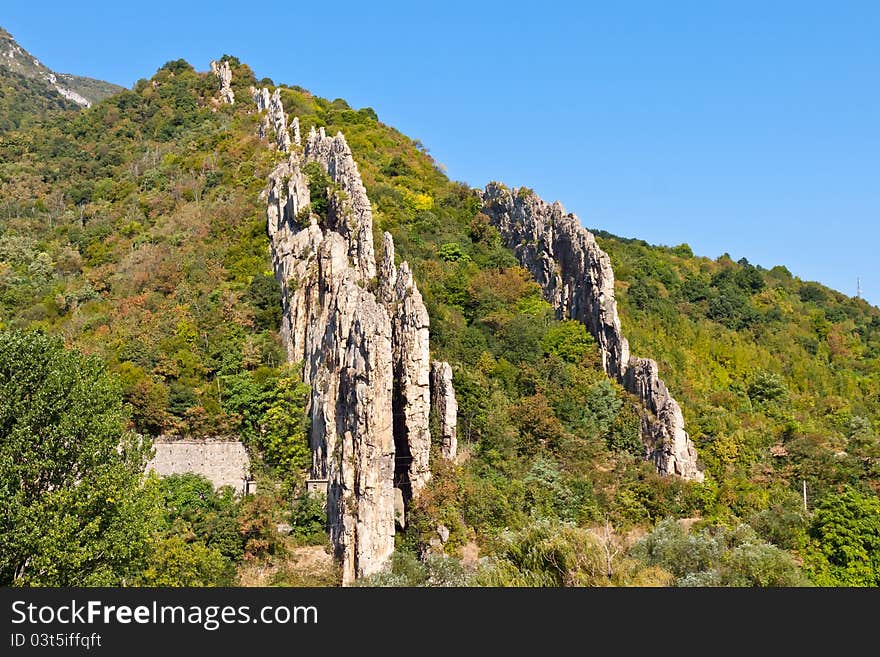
(569, 340)
(286, 425)
(178, 562)
(211, 516)
(73, 511)
(844, 548)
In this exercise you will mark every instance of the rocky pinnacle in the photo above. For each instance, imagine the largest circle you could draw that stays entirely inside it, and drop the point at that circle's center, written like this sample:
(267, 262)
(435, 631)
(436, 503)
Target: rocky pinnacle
(365, 354)
(224, 74)
(445, 406)
(275, 119)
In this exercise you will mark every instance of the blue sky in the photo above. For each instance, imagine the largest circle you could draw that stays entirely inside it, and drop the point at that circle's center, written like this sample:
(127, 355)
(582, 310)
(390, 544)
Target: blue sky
(751, 128)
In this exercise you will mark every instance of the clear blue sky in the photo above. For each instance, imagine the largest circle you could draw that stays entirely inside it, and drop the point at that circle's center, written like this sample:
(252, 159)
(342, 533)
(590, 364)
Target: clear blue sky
(745, 127)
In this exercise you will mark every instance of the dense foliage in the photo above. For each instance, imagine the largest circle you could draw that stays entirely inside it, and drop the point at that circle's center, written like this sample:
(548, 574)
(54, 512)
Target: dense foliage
(23, 100)
(72, 510)
(135, 229)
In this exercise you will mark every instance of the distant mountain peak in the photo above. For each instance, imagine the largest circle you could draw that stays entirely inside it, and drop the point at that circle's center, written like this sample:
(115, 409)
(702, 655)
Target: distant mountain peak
(80, 90)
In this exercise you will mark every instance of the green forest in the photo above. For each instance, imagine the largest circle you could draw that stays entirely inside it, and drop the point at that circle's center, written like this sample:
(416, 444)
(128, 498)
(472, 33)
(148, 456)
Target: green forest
(137, 299)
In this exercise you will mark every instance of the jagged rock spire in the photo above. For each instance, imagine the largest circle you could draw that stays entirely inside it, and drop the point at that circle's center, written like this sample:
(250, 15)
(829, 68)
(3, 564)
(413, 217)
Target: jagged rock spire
(412, 368)
(224, 74)
(294, 130)
(275, 118)
(261, 98)
(446, 407)
(366, 354)
(576, 278)
(350, 213)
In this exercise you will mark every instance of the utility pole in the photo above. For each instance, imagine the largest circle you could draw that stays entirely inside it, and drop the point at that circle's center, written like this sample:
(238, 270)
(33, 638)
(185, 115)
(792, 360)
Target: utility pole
(805, 495)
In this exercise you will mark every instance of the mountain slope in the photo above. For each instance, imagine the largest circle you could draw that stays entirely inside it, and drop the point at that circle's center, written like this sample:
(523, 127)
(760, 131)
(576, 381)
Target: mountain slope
(23, 100)
(136, 229)
(79, 90)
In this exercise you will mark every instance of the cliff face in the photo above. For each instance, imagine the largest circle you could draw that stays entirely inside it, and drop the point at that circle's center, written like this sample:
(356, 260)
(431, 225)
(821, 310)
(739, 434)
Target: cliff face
(365, 354)
(577, 279)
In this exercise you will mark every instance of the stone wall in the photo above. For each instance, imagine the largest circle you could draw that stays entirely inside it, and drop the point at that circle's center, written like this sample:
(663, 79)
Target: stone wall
(223, 462)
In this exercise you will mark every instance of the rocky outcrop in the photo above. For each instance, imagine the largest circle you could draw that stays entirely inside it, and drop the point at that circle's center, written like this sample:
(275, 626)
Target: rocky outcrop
(224, 74)
(261, 98)
(275, 119)
(666, 440)
(278, 122)
(294, 131)
(576, 278)
(350, 213)
(343, 337)
(446, 407)
(574, 273)
(365, 353)
(412, 363)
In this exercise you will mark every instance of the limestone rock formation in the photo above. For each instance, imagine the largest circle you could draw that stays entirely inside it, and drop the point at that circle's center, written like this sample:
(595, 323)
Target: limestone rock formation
(343, 336)
(365, 354)
(412, 366)
(261, 98)
(276, 117)
(667, 442)
(350, 213)
(445, 406)
(278, 121)
(224, 74)
(294, 131)
(576, 278)
(564, 258)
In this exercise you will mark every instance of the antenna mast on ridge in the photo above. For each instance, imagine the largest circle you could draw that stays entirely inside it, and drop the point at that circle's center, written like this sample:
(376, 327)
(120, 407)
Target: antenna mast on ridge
(859, 287)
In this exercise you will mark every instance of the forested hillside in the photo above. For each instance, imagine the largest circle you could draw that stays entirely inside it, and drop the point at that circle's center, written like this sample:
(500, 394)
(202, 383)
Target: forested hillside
(134, 231)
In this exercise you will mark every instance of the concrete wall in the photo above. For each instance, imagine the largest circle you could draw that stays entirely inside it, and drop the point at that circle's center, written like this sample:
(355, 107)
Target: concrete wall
(223, 462)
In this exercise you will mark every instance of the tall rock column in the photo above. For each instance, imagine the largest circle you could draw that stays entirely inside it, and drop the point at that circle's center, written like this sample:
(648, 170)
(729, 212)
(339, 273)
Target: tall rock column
(276, 117)
(576, 278)
(224, 74)
(412, 363)
(343, 337)
(446, 407)
(365, 355)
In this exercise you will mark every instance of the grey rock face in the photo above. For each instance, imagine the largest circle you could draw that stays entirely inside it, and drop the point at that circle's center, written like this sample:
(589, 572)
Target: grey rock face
(667, 443)
(278, 121)
(275, 119)
(564, 258)
(577, 279)
(412, 363)
(261, 98)
(350, 213)
(224, 74)
(294, 131)
(343, 337)
(365, 355)
(445, 406)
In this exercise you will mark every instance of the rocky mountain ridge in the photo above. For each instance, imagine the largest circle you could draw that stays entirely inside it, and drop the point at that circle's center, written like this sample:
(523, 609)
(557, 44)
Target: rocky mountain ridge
(578, 281)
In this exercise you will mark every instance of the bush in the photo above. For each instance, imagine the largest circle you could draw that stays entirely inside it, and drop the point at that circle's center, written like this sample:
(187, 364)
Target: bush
(844, 545)
(309, 519)
(718, 557)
